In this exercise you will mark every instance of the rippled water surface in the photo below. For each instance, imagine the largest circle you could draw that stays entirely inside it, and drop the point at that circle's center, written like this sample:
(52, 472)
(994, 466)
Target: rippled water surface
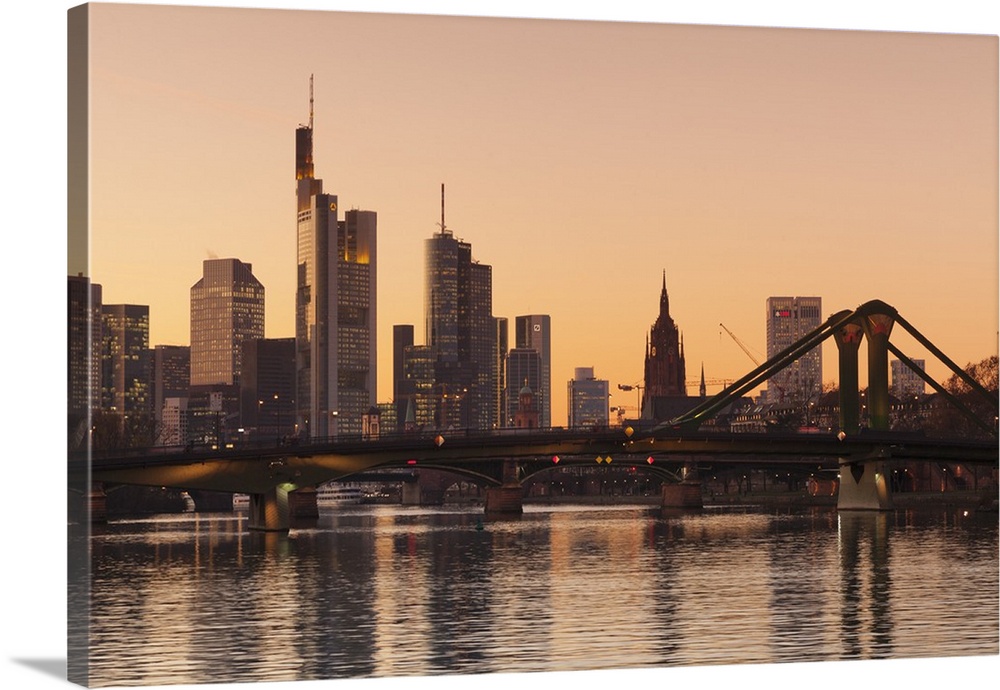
(389, 591)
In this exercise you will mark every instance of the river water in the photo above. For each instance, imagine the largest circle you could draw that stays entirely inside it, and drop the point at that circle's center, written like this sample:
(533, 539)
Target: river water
(387, 591)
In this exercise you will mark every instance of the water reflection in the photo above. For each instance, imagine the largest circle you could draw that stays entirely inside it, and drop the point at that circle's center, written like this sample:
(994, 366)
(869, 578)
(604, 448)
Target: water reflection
(390, 591)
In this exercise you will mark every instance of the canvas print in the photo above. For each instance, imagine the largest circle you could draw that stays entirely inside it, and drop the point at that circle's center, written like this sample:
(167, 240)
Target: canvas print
(409, 346)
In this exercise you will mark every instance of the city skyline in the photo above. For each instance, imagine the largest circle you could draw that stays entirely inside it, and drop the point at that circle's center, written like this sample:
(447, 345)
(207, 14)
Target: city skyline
(745, 163)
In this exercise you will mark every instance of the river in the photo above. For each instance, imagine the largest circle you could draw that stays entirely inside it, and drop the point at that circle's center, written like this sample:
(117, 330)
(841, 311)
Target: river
(392, 591)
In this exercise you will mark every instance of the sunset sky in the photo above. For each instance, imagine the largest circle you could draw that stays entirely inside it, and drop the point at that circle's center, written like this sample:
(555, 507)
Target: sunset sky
(581, 160)
(895, 140)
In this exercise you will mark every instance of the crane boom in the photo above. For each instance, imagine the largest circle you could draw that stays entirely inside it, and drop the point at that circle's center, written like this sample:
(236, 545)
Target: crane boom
(740, 343)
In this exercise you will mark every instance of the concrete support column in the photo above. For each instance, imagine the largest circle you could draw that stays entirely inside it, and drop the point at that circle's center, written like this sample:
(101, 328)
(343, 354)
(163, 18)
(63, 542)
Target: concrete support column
(877, 327)
(97, 504)
(504, 500)
(411, 494)
(863, 485)
(848, 343)
(686, 494)
(302, 504)
(269, 511)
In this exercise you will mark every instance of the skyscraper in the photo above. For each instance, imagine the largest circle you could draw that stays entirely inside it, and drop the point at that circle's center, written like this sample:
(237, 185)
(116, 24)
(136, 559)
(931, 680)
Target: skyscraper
(788, 320)
(335, 305)
(587, 399)
(524, 368)
(459, 326)
(267, 387)
(125, 358)
(227, 308)
(535, 332)
(664, 367)
(83, 347)
(500, 348)
(171, 367)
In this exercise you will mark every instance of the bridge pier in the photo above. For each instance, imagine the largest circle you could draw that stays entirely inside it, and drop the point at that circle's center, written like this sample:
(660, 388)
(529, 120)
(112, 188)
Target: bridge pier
(504, 500)
(269, 511)
(686, 494)
(410, 494)
(863, 486)
(97, 504)
(302, 504)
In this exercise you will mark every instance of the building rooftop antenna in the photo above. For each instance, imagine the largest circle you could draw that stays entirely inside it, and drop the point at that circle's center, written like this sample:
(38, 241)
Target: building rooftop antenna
(444, 227)
(310, 101)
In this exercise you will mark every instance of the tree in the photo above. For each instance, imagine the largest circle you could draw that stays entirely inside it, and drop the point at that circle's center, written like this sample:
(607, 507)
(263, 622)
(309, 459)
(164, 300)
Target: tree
(947, 420)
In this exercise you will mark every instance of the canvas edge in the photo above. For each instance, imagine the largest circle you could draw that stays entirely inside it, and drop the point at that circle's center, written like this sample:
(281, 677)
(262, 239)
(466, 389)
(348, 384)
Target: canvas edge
(78, 234)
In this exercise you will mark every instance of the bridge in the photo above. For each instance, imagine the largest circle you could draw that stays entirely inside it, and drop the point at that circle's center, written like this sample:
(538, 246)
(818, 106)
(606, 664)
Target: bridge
(502, 459)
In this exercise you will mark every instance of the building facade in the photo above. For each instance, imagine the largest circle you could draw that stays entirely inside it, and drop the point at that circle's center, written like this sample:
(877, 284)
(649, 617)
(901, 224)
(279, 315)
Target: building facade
(83, 350)
(906, 383)
(227, 308)
(788, 320)
(171, 374)
(267, 388)
(125, 379)
(664, 368)
(535, 332)
(335, 304)
(524, 369)
(587, 399)
(459, 326)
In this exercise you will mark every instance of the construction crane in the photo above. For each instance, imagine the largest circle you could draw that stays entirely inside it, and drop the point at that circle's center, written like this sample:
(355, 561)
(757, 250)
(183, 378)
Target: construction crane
(740, 343)
(780, 389)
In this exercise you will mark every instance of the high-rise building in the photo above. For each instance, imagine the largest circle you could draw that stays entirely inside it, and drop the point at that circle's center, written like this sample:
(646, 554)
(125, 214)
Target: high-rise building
(335, 305)
(788, 320)
(587, 399)
(125, 378)
(402, 339)
(227, 308)
(535, 332)
(500, 373)
(83, 349)
(459, 326)
(524, 369)
(664, 366)
(267, 388)
(906, 383)
(171, 366)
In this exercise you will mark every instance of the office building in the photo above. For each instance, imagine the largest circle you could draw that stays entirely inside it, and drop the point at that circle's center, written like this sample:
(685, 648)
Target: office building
(788, 320)
(524, 369)
(125, 378)
(171, 375)
(83, 350)
(906, 383)
(459, 326)
(587, 399)
(267, 388)
(227, 308)
(664, 368)
(402, 338)
(535, 332)
(500, 350)
(335, 305)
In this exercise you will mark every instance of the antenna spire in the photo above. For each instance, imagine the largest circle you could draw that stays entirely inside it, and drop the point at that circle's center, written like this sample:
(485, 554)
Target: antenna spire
(443, 226)
(310, 101)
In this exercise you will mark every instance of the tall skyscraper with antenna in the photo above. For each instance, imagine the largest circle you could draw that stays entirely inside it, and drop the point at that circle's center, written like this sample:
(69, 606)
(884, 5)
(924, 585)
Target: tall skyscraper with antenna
(335, 303)
(459, 326)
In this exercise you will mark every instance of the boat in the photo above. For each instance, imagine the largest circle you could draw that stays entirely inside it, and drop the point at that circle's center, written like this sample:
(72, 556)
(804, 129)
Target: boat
(337, 493)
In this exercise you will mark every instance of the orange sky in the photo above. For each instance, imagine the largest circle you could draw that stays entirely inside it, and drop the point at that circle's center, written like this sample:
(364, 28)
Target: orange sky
(581, 160)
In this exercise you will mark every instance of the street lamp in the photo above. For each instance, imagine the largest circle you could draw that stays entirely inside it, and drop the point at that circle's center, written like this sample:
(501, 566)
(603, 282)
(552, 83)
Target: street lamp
(333, 422)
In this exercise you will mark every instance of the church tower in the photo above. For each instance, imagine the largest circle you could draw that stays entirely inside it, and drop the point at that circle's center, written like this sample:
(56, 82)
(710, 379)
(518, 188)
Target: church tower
(664, 369)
